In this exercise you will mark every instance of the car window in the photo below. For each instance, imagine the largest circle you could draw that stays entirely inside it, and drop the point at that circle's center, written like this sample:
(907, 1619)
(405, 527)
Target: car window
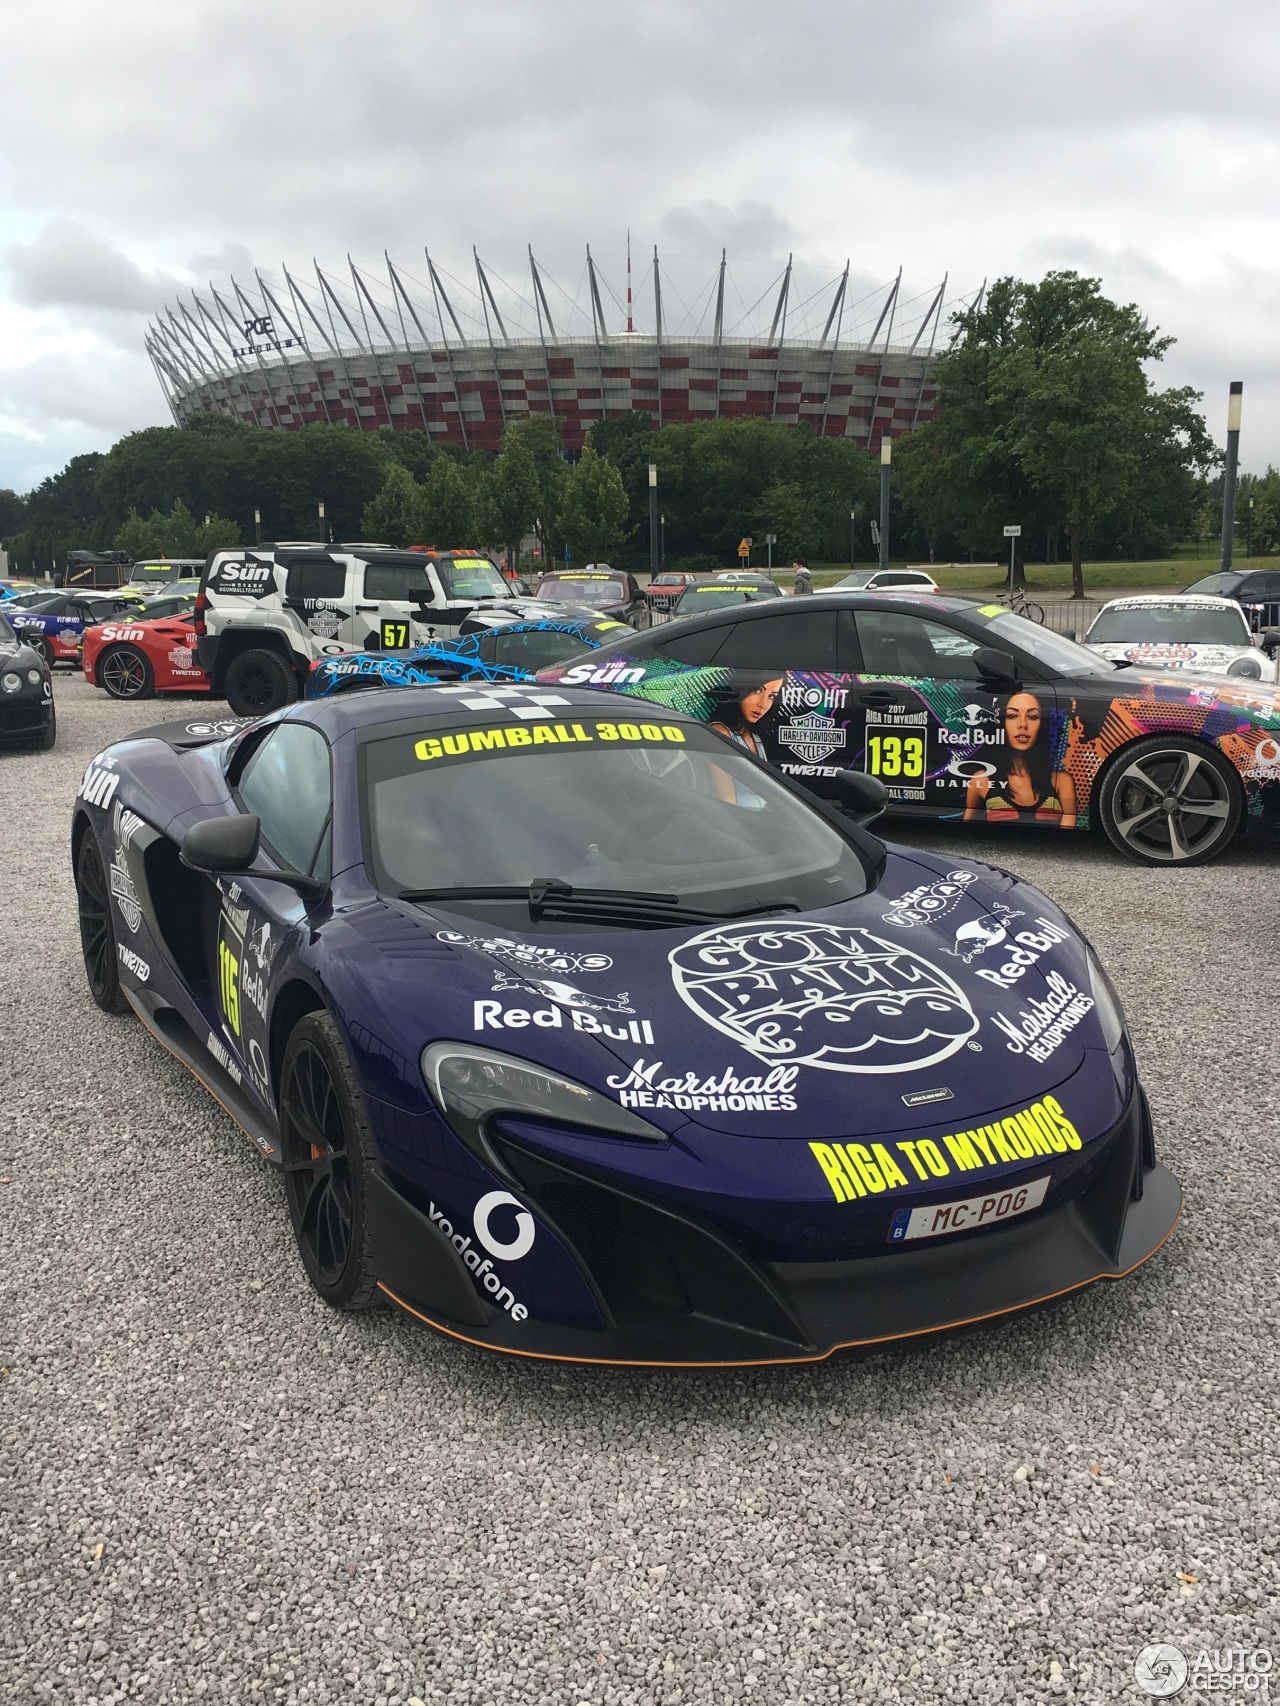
(407, 582)
(316, 580)
(791, 639)
(286, 786)
(534, 648)
(895, 642)
(698, 647)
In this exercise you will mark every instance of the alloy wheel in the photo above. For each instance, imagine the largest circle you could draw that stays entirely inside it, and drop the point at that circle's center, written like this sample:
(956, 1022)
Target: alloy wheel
(124, 673)
(316, 1163)
(1170, 806)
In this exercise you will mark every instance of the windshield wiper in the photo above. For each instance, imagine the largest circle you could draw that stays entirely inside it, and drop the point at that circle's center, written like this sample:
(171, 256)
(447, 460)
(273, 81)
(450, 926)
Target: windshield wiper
(550, 898)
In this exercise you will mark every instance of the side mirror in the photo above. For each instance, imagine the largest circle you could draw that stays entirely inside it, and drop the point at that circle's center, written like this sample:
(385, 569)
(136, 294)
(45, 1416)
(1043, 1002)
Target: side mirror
(996, 666)
(853, 792)
(227, 846)
(1070, 634)
(1270, 640)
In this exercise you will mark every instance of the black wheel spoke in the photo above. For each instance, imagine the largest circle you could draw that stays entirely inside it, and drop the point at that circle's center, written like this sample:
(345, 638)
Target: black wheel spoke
(316, 1164)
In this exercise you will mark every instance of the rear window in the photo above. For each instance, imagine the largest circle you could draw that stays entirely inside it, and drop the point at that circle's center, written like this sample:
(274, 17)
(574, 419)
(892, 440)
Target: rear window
(407, 582)
(316, 580)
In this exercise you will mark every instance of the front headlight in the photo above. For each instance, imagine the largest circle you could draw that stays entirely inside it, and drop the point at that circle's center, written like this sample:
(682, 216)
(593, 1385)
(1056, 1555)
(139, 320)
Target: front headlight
(1106, 1004)
(11, 683)
(34, 677)
(1250, 667)
(470, 1085)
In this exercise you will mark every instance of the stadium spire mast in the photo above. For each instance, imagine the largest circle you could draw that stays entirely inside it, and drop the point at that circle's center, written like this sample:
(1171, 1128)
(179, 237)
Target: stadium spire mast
(631, 325)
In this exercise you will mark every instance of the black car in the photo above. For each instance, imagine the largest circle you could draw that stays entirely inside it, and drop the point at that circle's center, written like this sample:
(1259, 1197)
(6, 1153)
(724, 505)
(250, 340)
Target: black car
(26, 693)
(608, 592)
(969, 712)
(1258, 590)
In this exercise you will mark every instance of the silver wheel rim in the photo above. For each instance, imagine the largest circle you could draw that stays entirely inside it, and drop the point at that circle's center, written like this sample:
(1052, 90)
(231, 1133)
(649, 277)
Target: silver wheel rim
(1170, 805)
(124, 674)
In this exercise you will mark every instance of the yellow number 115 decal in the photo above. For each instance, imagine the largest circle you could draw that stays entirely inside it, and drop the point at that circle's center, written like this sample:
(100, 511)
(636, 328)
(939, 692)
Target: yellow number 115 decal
(896, 755)
(229, 985)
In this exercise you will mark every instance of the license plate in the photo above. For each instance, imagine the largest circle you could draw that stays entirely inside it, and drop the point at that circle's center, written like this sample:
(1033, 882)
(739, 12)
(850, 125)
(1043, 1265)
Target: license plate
(968, 1214)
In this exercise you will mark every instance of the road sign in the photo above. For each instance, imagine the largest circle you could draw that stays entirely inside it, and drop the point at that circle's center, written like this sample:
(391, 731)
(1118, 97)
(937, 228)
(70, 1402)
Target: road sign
(1013, 532)
(771, 538)
(744, 547)
(875, 532)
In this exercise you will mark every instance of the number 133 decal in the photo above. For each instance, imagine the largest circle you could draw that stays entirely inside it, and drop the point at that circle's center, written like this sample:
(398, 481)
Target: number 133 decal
(896, 755)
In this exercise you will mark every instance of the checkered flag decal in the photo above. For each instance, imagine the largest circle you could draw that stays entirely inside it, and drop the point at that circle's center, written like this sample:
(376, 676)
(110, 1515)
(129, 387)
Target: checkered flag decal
(526, 703)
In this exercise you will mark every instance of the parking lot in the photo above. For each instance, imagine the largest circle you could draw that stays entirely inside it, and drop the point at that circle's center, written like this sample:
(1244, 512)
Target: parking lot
(215, 1489)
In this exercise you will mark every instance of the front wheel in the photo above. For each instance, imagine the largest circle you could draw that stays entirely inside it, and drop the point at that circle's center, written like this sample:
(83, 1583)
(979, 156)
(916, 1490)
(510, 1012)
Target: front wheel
(97, 930)
(328, 1160)
(258, 682)
(1167, 800)
(126, 673)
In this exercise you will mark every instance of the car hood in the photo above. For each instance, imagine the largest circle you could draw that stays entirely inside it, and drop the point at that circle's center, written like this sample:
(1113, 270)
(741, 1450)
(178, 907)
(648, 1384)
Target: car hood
(1150, 654)
(951, 991)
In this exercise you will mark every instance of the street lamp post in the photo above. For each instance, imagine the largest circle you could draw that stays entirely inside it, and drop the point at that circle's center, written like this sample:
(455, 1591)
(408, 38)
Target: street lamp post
(1248, 537)
(1234, 403)
(886, 457)
(324, 526)
(257, 525)
(853, 520)
(653, 519)
(662, 541)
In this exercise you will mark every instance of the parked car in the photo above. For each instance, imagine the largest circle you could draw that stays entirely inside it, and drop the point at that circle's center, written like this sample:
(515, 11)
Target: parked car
(609, 592)
(154, 574)
(968, 712)
(265, 614)
(132, 659)
(27, 714)
(1256, 590)
(664, 589)
(514, 652)
(718, 594)
(1183, 631)
(590, 1037)
(886, 580)
(54, 623)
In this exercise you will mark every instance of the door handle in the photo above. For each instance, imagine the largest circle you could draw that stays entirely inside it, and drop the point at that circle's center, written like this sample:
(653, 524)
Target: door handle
(365, 609)
(877, 699)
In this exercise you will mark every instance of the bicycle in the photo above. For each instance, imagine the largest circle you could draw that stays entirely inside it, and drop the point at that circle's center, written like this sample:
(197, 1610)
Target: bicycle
(1021, 605)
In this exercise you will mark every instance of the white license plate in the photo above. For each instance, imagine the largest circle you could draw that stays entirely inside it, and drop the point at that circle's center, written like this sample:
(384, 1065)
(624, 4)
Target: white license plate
(943, 1217)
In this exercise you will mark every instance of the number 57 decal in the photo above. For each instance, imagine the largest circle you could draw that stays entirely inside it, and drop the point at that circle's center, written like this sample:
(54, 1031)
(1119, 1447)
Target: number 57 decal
(395, 636)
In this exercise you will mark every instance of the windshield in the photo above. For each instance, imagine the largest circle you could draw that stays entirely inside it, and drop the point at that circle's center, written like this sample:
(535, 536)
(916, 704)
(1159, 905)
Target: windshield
(594, 592)
(35, 601)
(1171, 624)
(1055, 651)
(471, 577)
(153, 572)
(713, 597)
(647, 807)
(1224, 584)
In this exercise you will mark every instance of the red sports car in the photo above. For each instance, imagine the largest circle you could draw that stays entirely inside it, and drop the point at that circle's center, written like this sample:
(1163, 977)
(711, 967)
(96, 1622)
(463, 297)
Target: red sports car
(133, 660)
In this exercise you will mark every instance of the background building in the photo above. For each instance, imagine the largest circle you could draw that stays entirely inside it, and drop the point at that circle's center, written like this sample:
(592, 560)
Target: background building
(456, 361)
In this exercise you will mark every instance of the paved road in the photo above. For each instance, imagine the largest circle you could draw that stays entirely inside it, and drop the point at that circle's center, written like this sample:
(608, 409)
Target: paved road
(216, 1490)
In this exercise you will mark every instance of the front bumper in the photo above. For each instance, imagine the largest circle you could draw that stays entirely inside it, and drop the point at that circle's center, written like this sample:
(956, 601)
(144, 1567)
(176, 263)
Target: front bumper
(675, 1292)
(24, 715)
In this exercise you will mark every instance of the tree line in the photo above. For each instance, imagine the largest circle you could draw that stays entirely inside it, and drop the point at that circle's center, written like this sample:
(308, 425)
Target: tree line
(1046, 416)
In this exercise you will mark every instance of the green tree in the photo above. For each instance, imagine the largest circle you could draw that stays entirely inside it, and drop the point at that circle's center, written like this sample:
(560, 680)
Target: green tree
(392, 516)
(594, 514)
(791, 513)
(540, 436)
(446, 513)
(508, 498)
(174, 533)
(13, 512)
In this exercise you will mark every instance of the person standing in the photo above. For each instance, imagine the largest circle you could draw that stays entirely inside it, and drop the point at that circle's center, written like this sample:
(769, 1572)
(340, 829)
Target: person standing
(804, 580)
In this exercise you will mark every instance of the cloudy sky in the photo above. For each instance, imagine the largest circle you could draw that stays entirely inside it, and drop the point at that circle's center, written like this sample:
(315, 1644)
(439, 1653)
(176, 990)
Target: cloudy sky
(148, 147)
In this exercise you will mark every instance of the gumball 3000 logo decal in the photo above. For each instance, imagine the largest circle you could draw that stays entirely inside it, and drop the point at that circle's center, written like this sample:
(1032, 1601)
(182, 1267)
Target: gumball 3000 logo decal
(819, 995)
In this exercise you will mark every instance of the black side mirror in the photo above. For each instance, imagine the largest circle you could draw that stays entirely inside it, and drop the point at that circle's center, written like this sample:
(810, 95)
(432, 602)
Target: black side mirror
(1070, 634)
(996, 666)
(1270, 640)
(227, 846)
(853, 792)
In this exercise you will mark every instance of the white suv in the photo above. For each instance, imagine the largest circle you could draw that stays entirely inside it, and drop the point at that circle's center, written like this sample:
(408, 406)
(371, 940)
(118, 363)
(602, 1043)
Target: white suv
(266, 613)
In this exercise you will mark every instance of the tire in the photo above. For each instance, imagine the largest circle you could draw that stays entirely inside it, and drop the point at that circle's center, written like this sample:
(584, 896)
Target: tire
(328, 1160)
(40, 643)
(1034, 613)
(1168, 800)
(97, 927)
(46, 741)
(259, 681)
(126, 673)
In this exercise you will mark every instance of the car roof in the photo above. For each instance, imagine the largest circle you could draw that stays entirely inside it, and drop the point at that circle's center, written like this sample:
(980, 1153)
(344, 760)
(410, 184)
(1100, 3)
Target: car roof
(376, 711)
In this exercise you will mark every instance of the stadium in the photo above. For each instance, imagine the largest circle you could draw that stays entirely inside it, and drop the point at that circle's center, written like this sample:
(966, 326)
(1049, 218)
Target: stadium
(457, 358)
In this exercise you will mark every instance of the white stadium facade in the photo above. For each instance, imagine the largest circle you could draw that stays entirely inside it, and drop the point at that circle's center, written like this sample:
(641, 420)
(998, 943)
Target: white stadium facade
(458, 360)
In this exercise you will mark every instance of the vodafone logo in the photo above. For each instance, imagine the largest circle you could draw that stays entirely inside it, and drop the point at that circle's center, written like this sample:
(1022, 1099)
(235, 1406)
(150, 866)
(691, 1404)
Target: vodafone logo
(516, 1247)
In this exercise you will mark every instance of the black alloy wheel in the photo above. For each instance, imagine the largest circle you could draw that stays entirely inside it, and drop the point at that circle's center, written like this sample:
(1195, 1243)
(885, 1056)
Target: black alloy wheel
(328, 1151)
(97, 929)
(259, 681)
(1168, 800)
(126, 673)
(40, 643)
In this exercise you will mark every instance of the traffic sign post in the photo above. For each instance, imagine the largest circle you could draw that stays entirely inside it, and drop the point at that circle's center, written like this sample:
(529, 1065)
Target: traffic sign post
(744, 549)
(771, 539)
(1012, 533)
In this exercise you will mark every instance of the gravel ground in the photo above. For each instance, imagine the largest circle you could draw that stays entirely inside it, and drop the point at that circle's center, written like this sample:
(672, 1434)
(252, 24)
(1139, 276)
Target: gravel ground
(217, 1490)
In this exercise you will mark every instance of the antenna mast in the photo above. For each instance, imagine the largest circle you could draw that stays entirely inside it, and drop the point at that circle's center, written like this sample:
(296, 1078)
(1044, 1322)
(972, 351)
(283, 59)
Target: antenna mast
(631, 325)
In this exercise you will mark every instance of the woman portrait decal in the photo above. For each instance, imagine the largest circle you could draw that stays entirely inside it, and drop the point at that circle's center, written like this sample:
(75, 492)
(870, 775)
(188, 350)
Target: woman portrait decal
(748, 699)
(1027, 787)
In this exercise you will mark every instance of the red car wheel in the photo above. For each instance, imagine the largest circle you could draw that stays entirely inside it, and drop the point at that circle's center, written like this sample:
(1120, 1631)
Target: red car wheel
(126, 673)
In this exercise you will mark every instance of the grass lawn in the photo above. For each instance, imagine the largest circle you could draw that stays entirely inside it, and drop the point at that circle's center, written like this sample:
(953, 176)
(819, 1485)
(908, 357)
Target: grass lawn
(1053, 577)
